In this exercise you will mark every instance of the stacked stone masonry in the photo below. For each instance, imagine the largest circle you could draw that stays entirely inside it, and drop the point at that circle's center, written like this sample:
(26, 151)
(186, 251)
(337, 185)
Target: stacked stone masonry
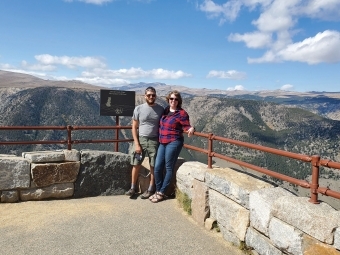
(63, 174)
(253, 213)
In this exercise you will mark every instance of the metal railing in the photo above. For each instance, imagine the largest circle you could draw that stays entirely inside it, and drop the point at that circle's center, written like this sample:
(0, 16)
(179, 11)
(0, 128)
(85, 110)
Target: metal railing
(314, 160)
(69, 130)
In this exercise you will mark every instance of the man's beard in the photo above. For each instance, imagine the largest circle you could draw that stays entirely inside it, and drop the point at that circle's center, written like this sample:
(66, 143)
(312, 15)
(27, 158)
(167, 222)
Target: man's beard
(150, 102)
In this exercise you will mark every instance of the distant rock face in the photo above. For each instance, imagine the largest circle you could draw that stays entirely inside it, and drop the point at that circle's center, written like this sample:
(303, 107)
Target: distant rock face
(103, 173)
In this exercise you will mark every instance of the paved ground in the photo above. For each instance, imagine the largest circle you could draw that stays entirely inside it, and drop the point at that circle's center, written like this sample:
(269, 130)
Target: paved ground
(104, 225)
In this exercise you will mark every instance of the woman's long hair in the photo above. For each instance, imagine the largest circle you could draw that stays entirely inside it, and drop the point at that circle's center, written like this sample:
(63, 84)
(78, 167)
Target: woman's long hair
(177, 95)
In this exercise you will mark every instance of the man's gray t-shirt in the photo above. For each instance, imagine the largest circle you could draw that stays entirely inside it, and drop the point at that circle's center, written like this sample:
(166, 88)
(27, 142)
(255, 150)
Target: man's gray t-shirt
(148, 118)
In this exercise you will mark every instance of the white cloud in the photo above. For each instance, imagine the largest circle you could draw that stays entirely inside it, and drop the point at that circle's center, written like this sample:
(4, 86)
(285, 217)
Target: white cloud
(70, 62)
(37, 67)
(227, 11)
(97, 2)
(276, 26)
(101, 2)
(104, 81)
(325, 9)
(6, 67)
(278, 16)
(136, 73)
(231, 74)
(236, 88)
(287, 87)
(324, 47)
(252, 40)
(269, 56)
(90, 70)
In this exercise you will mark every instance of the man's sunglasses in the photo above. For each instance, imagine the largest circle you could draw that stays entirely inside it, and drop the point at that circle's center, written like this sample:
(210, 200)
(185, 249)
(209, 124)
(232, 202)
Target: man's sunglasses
(172, 98)
(151, 95)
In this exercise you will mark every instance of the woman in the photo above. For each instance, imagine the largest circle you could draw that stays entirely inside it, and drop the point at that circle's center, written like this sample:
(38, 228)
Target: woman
(173, 122)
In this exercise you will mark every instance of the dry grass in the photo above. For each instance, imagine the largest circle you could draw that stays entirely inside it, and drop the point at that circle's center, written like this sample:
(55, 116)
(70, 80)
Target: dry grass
(184, 201)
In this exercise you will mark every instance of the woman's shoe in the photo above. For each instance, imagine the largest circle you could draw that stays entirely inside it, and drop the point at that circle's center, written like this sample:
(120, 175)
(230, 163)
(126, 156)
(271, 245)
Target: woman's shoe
(157, 197)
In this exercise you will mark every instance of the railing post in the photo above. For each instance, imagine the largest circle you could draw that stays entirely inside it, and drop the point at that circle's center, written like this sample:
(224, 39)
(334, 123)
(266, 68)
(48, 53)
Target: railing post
(117, 132)
(315, 179)
(210, 148)
(69, 139)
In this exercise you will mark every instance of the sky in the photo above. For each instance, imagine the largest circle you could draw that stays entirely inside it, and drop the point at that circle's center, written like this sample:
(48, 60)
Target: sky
(251, 45)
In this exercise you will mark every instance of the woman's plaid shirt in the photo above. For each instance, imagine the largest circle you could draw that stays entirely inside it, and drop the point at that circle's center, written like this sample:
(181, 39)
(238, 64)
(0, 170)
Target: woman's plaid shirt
(172, 125)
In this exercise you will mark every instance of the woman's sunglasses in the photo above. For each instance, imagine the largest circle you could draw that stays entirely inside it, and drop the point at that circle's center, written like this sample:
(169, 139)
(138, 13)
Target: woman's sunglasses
(171, 98)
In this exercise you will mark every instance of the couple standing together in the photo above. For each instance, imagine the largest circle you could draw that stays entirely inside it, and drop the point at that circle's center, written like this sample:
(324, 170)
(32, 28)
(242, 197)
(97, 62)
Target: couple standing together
(159, 133)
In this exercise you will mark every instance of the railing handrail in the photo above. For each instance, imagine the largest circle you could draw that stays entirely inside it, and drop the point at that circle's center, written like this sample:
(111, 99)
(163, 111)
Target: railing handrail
(315, 160)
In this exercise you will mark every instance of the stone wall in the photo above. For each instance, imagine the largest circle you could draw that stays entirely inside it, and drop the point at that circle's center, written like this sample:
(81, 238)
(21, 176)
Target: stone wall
(255, 214)
(63, 174)
(249, 211)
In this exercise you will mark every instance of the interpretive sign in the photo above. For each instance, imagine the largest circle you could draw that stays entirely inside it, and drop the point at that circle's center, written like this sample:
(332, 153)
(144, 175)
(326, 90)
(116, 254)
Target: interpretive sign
(117, 102)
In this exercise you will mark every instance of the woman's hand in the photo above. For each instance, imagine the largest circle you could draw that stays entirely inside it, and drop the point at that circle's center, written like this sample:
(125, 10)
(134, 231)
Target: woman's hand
(191, 131)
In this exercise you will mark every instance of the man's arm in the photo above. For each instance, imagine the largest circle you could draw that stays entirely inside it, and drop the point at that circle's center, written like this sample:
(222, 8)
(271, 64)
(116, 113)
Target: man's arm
(135, 125)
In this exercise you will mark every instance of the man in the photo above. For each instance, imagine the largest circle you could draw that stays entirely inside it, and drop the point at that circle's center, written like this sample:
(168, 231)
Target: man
(145, 124)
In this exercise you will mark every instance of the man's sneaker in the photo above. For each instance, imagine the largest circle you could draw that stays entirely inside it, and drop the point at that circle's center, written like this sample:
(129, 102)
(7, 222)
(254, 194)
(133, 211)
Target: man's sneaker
(147, 194)
(130, 192)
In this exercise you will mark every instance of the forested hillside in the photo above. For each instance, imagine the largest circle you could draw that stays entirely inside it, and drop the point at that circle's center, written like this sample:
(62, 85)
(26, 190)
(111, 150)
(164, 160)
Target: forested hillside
(268, 124)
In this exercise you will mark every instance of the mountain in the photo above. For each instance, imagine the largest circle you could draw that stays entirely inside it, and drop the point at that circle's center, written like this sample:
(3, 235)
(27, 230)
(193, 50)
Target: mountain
(266, 118)
(20, 80)
(325, 104)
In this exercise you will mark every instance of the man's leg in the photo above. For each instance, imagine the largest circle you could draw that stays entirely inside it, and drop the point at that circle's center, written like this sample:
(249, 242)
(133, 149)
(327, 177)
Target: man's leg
(151, 148)
(152, 178)
(134, 178)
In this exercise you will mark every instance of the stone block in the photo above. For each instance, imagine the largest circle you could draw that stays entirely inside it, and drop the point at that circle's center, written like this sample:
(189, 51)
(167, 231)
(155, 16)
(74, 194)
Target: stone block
(233, 184)
(10, 196)
(260, 206)
(62, 190)
(229, 214)
(209, 223)
(337, 238)
(317, 220)
(260, 243)
(200, 202)
(285, 237)
(184, 180)
(14, 173)
(50, 173)
(229, 236)
(7, 155)
(198, 170)
(103, 173)
(186, 173)
(44, 156)
(71, 155)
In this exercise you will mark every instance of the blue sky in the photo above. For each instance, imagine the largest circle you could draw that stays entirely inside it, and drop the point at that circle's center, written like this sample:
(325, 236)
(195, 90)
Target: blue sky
(231, 45)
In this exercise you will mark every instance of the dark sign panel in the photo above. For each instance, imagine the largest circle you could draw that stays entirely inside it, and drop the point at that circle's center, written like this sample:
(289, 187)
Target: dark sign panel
(117, 102)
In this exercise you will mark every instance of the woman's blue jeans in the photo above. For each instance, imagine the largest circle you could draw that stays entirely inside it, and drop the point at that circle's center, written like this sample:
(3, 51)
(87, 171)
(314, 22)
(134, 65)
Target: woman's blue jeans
(167, 155)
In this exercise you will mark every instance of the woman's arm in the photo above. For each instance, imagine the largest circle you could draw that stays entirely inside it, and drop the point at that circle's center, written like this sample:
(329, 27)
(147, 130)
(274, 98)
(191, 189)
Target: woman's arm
(185, 122)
